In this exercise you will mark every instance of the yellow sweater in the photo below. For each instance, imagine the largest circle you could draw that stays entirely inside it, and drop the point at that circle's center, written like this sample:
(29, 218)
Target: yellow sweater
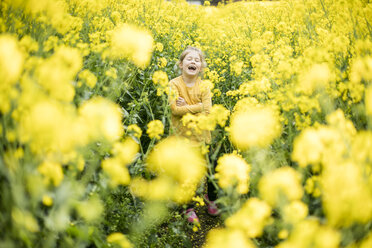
(198, 102)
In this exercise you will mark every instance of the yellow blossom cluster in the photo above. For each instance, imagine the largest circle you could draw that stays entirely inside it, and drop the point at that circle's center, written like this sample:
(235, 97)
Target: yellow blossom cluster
(119, 239)
(217, 115)
(232, 170)
(179, 168)
(255, 126)
(127, 41)
(281, 185)
(155, 129)
(310, 233)
(160, 78)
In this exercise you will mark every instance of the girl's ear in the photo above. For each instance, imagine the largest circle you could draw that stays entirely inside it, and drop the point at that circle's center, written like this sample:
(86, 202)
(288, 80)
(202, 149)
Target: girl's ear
(180, 65)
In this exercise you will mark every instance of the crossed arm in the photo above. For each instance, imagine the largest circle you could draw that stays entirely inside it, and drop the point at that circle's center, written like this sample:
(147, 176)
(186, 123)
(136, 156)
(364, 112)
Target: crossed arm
(179, 107)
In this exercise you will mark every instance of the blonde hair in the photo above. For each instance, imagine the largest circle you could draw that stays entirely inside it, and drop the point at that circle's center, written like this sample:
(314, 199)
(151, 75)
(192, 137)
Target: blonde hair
(191, 49)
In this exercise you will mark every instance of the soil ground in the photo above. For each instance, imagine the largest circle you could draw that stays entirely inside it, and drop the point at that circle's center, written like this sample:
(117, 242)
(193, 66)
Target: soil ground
(207, 222)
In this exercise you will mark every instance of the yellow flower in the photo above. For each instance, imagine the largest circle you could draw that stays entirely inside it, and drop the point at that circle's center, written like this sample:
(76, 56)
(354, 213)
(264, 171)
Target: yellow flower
(346, 195)
(25, 219)
(309, 233)
(135, 130)
(317, 77)
(28, 44)
(117, 171)
(307, 147)
(47, 200)
(257, 126)
(61, 68)
(155, 129)
(115, 15)
(222, 238)
(232, 170)
(120, 239)
(160, 78)
(91, 209)
(50, 126)
(11, 64)
(112, 73)
(11, 60)
(362, 147)
(180, 161)
(295, 211)
(162, 62)
(220, 114)
(158, 189)
(281, 185)
(125, 151)
(324, 144)
(251, 218)
(103, 117)
(283, 234)
(52, 172)
(206, 86)
(89, 78)
(245, 104)
(237, 67)
(361, 69)
(159, 47)
(198, 200)
(133, 43)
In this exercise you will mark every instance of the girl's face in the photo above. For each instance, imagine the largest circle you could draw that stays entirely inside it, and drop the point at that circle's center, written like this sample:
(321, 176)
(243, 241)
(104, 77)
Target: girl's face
(191, 64)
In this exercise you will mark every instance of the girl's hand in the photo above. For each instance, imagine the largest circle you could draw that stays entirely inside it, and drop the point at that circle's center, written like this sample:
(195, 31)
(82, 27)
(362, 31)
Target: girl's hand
(180, 102)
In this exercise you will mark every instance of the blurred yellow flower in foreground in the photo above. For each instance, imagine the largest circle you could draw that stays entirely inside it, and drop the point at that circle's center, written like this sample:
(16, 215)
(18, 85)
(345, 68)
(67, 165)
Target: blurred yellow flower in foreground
(295, 211)
(25, 219)
(52, 172)
(179, 167)
(104, 118)
(325, 144)
(222, 238)
(11, 60)
(316, 77)
(158, 189)
(47, 200)
(346, 194)
(251, 218)
(155, 129)
(256, 126)
(281, 185)
(125, 151)
(120, 239)
(178, 158)
(11, 63)
(309, 233)
(232, 170)
(88, 77)
(90, 209)
(117, 171)
(133, 43)
(57, 72)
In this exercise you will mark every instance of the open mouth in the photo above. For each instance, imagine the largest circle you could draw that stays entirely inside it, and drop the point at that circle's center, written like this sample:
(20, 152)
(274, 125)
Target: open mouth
(192, 67)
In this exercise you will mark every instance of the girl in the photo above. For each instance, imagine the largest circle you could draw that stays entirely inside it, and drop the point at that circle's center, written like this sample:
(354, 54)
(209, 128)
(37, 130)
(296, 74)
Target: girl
(192, 99)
